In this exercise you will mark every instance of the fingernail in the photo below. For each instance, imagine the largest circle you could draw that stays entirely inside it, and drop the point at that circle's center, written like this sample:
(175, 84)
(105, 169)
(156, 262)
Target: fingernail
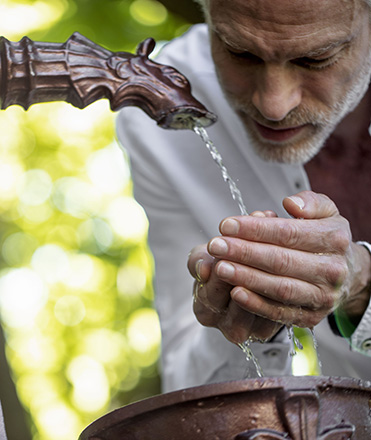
(218, 247)
(239, 295)
(225, 270)
(198, 269)
(258, 214)
(299, 202)
(230, 226)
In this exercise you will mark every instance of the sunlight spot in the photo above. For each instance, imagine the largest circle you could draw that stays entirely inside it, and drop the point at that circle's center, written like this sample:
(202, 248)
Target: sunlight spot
(35, 188)
(58, 421)
(148, 12)
(35, 214)
(108, 170)
(127, 218)
(144, 330)
(90, 383)
(69, 310)
(95, 234)
(10, 177)
(51, 263)
(131, 280)
(76, 197)
(18, 248)
(106, 346)
(19, 19)
(71, 120)
(38, 352)
(82, 271)
(29, 385)
(22, 294)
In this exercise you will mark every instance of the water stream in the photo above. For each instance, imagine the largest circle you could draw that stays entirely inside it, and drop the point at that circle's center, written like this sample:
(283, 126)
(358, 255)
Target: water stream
(315, 346)
(294, 340)
(236, 194)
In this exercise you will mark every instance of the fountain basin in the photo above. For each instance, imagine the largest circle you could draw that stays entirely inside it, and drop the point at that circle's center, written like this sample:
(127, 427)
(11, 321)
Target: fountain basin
(297, 408)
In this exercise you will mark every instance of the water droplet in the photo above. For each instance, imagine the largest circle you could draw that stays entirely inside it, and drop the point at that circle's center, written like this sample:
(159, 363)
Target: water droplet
(245, 347)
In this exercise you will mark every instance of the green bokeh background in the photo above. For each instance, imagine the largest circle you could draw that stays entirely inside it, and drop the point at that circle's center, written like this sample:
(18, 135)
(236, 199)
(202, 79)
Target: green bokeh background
(79, 334)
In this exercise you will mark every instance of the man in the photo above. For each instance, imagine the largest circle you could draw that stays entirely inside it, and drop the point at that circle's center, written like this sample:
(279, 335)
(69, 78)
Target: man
(286, 78)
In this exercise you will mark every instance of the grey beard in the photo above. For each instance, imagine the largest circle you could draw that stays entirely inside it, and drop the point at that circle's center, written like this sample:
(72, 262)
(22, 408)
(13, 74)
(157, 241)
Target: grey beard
(324, 123)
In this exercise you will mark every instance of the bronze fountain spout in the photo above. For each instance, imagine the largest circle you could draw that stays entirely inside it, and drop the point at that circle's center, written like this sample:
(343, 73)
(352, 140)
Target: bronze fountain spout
(81, 72)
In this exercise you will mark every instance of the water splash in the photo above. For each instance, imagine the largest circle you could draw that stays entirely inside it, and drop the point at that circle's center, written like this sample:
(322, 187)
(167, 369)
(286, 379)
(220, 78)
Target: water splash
(295, 341)
(315, 346)
(245, 347)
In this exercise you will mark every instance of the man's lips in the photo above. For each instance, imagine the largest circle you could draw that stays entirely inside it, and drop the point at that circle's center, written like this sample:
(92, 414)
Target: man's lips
(278, 134)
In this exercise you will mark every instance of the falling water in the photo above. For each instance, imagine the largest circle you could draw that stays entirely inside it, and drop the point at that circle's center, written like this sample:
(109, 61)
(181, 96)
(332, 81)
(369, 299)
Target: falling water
(315, 345)
(295, 341)
(236, 194)
(245, 347)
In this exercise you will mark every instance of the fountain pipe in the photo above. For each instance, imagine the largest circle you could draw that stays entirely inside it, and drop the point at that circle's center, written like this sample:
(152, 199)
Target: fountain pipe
(80, 72)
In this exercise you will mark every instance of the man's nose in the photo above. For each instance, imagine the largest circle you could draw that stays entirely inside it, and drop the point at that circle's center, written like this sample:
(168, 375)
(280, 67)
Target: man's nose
(277, 92)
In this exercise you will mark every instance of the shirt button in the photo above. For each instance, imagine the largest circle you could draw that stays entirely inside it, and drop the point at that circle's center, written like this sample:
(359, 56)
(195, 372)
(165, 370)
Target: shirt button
(366, 345)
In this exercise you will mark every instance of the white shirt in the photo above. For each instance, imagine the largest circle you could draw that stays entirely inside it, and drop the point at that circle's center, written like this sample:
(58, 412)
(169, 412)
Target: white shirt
(185, 198)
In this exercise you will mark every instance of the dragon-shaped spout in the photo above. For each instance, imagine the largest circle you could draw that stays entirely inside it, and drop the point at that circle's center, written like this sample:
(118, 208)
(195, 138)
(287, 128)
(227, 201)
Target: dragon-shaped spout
(81, 72)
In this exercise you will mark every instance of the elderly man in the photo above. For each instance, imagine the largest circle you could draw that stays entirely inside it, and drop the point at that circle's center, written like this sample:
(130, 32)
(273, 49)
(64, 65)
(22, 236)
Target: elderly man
(289, 81)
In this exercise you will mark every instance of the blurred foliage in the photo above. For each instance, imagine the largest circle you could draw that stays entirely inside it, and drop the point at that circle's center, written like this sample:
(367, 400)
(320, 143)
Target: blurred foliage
(76, 293)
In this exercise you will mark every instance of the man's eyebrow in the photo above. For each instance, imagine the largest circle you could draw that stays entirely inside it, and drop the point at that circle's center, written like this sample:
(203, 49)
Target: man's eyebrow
(328, 48)
(312, 53)
(226, 41)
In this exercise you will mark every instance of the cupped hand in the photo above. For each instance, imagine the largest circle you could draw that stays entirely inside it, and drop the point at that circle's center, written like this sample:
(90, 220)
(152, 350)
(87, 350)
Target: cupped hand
(213, 306)
(292, 271)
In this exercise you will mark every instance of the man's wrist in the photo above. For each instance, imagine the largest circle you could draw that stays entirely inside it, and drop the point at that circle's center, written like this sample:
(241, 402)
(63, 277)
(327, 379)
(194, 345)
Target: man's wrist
(344, 317)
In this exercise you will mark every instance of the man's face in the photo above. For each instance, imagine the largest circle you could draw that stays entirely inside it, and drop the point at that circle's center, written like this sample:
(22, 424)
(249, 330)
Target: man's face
(292, 69)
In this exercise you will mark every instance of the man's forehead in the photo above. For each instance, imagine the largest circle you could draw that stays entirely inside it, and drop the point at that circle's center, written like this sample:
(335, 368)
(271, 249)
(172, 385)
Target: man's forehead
(287, 19)
(284, 3)
(290, 11)
(280, 29)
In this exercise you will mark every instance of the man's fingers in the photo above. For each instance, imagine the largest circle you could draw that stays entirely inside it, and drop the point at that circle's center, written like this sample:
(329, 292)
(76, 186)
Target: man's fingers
(214, 294)
(238, 325)
(283, 289)
(328, 232)
(274, 311)
(320, 236)
(200, 263)
(310, 205)
(318, 269)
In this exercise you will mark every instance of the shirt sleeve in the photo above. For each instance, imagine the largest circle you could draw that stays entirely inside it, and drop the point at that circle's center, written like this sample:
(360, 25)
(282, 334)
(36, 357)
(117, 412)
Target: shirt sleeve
(361, 338)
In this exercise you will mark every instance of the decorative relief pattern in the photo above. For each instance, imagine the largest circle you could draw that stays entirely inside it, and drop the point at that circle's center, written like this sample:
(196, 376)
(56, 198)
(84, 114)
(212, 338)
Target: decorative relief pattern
(299, 412)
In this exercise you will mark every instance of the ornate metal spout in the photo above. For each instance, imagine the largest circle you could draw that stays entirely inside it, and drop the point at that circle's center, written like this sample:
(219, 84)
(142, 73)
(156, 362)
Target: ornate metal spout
(81, 72)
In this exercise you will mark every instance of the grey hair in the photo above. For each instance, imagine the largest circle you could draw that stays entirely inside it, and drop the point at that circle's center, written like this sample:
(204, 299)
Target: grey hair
(204, 5)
